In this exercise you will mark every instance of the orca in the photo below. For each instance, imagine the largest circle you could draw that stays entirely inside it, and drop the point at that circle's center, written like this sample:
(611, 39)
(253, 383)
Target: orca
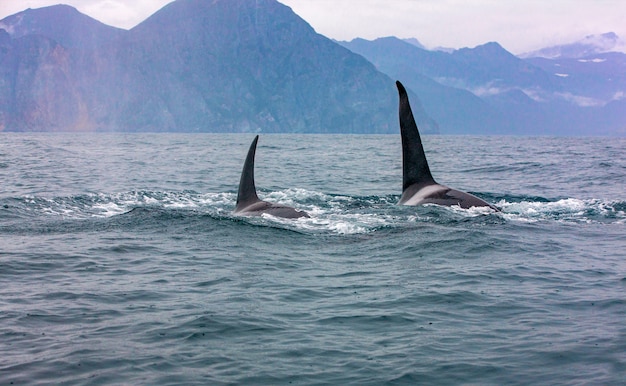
(248, 203)
(418, 185)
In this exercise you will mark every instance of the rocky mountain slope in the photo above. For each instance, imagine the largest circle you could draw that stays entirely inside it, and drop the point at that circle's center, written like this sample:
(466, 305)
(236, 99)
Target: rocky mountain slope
(195, 65)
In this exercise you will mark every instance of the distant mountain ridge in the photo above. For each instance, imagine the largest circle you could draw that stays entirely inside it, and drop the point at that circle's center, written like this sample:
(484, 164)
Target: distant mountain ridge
(487, 90)
(195, 65)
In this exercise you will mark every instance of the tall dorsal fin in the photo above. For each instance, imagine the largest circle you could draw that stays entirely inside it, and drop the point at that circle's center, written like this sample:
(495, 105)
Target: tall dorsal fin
(247, 190)
(415, 168)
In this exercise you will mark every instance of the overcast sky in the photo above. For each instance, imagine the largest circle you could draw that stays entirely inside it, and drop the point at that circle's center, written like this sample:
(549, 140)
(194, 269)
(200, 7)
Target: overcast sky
(519, 25)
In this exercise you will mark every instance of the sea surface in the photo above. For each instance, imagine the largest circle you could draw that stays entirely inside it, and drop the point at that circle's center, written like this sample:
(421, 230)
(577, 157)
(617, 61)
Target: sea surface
(121, 262)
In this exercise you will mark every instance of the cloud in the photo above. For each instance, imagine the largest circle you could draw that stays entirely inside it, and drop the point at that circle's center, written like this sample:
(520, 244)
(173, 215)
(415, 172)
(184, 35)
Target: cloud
(119, 13)
(488, 90)
(591, 102)
(618, 96)
(536, 94)
(579, 100)
(518, 25)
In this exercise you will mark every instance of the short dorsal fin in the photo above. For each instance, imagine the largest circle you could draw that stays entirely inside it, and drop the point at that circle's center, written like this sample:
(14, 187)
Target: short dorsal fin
(247, 191)
(415, 168)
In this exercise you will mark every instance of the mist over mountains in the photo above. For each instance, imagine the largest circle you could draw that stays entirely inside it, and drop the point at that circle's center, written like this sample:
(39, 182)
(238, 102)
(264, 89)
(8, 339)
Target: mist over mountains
(255, 66)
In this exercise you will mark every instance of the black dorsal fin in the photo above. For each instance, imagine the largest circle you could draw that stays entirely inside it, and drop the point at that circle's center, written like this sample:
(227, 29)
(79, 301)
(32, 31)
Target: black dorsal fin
(247, 190)
(415, 168)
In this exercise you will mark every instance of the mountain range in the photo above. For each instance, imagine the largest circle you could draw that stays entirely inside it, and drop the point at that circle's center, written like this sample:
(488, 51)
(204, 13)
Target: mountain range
(488, 90)
(255, 66)
(195, 65)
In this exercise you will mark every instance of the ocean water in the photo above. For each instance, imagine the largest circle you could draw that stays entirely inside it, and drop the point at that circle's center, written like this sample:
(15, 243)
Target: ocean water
(121, 262)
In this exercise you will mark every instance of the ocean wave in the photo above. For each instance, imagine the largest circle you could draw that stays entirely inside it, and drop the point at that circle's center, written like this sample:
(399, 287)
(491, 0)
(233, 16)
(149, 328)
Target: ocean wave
(334, 214)
(565, 210)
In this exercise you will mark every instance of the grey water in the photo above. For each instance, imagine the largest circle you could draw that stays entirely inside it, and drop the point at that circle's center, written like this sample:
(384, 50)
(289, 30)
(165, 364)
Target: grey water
(121, 262)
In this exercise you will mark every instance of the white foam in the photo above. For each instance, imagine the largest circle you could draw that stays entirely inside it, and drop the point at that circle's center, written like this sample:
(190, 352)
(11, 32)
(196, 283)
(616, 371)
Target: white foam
(333, 224)
(564, 210)
(108, 209)
(341, 215)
